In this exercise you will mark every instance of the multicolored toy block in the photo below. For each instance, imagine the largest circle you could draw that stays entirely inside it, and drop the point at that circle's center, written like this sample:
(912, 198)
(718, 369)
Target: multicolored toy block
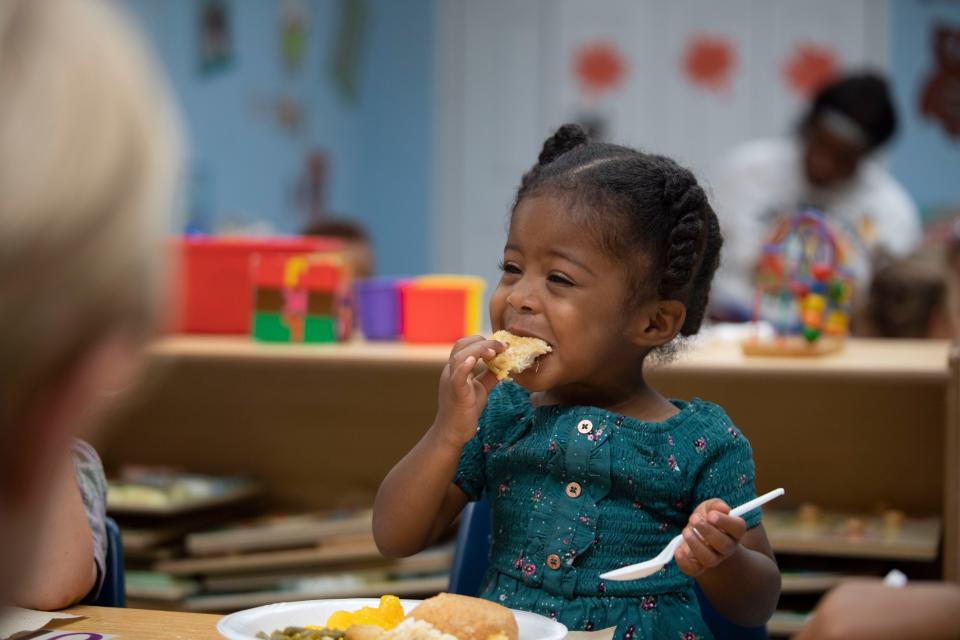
(803, 271)
(303, 298)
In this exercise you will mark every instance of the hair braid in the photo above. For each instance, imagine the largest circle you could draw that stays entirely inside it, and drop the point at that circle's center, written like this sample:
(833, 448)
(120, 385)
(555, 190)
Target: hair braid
(684, 200)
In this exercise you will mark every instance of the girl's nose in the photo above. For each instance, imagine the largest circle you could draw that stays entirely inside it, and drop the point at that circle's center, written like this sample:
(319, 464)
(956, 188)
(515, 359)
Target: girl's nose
(522, 299)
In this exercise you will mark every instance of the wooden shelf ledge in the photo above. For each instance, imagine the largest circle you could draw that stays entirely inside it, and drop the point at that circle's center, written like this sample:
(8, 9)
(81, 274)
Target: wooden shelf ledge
(919, 360)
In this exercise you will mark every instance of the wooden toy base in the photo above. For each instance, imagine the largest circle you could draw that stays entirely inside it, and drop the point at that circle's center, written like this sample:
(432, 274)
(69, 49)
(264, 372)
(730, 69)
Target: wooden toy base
(793, 346)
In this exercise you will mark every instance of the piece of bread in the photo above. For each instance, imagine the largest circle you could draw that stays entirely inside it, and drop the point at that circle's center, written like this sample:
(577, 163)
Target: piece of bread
(521, 353)
(467, 618)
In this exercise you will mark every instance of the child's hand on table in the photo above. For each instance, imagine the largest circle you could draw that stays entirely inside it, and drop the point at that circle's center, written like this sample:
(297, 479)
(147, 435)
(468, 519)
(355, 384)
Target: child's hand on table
(462, 395)
(870, 610)
(710, 537)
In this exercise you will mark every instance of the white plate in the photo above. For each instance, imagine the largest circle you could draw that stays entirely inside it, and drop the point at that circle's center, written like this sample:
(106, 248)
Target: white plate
(244, 625)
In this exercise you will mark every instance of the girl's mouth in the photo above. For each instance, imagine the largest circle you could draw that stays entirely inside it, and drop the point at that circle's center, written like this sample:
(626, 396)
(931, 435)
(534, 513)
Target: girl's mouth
(529, 334)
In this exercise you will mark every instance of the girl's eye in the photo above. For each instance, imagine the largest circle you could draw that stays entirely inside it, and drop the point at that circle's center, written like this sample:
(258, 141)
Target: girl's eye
(558, 278)
(509, 267)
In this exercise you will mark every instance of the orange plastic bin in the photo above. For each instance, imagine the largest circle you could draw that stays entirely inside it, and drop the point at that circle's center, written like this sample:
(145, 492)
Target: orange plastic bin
(441, 309)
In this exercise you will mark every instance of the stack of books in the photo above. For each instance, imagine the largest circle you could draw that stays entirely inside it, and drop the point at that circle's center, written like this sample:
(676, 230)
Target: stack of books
(222, 551)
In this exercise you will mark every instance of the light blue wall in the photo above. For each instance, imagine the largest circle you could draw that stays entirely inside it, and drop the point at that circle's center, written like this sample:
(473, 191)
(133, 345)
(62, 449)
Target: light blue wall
(924, 158)
(243, 167)
(396, 137)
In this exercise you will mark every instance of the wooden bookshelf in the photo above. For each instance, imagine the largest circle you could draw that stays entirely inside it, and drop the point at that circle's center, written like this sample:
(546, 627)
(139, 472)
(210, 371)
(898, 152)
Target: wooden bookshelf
(338, 554)
(242, 349)
(320, 426)
(812, 582)
(431, 561)
(917, 540)
(786, 623)
(862, 357)
(407, 587)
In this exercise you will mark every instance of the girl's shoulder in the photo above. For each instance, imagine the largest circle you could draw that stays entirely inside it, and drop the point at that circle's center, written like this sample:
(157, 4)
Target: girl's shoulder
(706, 417)
(706, 413)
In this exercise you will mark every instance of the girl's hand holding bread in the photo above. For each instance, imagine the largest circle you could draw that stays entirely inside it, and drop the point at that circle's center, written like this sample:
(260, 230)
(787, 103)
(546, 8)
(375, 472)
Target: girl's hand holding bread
(462, 394)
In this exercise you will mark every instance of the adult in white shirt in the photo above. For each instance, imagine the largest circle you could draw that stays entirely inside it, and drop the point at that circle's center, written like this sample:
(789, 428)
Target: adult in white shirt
(829, 166)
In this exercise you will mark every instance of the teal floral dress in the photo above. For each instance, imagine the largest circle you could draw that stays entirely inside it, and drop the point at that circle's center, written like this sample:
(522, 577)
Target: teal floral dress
(578, 491)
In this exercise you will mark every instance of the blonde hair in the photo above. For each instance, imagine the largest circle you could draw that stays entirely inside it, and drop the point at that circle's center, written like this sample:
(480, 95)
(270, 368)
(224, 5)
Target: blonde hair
(89, 149)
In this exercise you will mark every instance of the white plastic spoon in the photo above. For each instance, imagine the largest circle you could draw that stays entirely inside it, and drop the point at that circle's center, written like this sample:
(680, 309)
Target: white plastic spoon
(651, 566)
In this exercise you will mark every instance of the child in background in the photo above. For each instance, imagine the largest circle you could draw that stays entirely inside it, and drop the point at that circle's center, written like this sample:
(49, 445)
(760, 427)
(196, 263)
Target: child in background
(610, 255)
(88, 155)
(907, 299)
(871, 610)
(354, 237)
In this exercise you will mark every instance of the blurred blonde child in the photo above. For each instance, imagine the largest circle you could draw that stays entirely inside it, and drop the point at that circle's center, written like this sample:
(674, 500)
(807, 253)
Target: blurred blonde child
(88, 152)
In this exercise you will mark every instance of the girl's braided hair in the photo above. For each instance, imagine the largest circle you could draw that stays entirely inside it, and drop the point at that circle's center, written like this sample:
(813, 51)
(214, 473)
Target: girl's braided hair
(643, 208)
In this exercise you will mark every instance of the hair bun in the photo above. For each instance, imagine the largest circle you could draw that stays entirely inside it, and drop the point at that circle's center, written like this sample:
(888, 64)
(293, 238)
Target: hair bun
(681, 192)
(567, 137)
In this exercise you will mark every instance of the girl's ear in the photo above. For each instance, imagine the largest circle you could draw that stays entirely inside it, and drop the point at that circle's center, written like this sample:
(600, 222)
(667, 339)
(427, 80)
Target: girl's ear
(658, 322)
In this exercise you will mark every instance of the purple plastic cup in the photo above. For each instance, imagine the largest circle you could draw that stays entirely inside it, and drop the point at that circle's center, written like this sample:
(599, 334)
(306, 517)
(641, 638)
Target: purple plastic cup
(378, 303)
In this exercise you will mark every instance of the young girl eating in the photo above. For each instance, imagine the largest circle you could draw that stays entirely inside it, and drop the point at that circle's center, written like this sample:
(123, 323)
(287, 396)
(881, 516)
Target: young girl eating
(610, 256)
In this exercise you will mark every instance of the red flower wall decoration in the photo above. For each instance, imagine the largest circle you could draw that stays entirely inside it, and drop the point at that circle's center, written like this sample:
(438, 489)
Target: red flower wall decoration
(709, 62)
(599, 67)
(809, 67)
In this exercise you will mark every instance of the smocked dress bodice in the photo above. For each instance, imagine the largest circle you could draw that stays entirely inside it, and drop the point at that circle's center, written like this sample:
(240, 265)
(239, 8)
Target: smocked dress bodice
(577, 491)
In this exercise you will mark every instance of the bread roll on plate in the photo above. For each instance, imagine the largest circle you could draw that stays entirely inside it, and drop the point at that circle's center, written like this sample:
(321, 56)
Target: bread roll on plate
(468, 618)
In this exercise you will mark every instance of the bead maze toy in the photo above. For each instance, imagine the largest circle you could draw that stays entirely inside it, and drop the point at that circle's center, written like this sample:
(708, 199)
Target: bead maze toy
(301, 298)
(803, 278)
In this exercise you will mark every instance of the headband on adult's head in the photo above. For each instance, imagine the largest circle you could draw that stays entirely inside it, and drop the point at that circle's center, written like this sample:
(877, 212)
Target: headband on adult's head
(843, 126)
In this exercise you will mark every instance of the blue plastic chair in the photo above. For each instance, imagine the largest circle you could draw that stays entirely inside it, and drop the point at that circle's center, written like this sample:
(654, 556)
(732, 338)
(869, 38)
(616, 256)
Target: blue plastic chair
(472, 555)
(113, 593)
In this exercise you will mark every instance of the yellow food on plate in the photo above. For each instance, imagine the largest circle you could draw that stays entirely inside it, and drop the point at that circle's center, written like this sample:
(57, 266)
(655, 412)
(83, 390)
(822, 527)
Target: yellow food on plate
(519, 356)
(386, 616)
(468, 618)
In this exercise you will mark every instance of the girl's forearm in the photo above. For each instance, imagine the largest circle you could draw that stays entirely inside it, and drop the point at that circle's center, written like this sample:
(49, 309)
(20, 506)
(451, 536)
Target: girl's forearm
(411, 499)
(757, 580)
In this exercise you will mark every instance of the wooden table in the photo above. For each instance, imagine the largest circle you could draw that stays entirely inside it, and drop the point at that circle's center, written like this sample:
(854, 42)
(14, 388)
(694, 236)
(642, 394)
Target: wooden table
(321, 425)
(137, 624)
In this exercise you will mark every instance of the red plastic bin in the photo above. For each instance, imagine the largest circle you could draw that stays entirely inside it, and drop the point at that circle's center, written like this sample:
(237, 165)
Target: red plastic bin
(433, 316)
(216, 286)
